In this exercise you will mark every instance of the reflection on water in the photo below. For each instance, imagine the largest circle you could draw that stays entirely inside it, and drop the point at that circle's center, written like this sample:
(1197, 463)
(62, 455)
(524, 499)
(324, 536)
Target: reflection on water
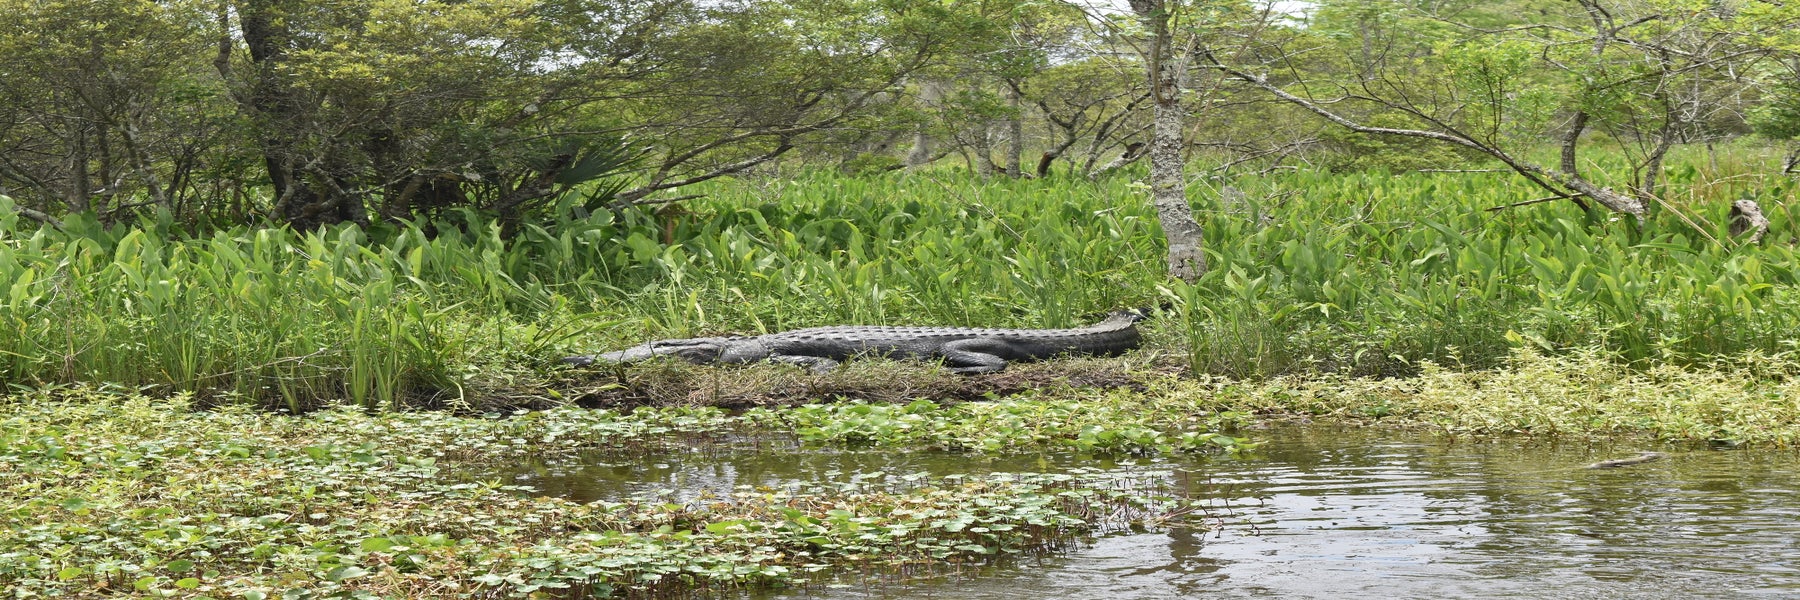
(1324, 513)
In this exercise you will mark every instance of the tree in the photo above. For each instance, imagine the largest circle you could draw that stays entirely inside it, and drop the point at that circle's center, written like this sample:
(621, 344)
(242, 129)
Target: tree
(742, 84)
(1166, 65)
(1633, 71)
(102, 105)
(1164, 34)
(353, 111)
(413, 108)
(981, 81)
(1778, 118)
(1092, 103)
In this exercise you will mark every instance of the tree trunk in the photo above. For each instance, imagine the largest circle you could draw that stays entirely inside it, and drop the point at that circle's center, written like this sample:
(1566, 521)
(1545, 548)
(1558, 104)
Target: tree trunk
(1653, 168)
(78, 172)
(931, 94)
(1168, 189)
(140, 164)
(984, 151)
(1044, 162)
(1015, 132)
(279, 104)
(920, 154)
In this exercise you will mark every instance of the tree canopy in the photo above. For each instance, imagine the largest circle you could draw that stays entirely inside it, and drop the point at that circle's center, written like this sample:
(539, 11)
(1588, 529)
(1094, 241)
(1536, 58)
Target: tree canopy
(314, 113)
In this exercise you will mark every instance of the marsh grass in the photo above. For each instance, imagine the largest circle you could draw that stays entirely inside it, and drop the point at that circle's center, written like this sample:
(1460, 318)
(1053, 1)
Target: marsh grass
(1360, 273)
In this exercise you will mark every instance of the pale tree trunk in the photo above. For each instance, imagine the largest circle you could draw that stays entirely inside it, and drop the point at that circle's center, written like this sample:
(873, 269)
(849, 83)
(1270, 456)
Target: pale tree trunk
(1168, 189)
(930, 94)
(1015, 132)
(920, 154)
(134, 151)
(1187, 257)
(984, 151)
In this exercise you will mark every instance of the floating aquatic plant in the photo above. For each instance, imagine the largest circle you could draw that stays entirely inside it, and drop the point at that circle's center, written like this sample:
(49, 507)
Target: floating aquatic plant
(139, 496)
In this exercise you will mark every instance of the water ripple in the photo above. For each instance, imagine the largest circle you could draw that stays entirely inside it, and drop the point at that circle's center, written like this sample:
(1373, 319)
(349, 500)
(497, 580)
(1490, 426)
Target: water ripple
(1322, 513)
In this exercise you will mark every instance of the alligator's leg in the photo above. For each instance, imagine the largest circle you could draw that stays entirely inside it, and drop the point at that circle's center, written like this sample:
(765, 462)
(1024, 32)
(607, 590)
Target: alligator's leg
(975, 355)
(816, 364)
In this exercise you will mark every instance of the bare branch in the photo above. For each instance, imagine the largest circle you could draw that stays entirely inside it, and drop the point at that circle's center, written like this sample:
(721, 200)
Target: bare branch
(632, 196)
(38, 216)
(1571, 184)
(1462, 171)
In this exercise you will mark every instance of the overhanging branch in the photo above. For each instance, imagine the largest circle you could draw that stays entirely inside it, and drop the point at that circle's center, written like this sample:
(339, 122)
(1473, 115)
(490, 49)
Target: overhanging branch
(38, 216)
(1562, 183)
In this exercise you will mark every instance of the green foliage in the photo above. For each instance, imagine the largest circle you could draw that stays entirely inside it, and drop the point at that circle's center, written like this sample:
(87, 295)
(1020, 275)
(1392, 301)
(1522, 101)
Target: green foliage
(260, 315)
(1779, 118)
(315, 113)
(1508, 76)
(1509, 100)
(870, 163)
(1347, 151)
(1739, 400)
(1371, 272)
(1365, 272)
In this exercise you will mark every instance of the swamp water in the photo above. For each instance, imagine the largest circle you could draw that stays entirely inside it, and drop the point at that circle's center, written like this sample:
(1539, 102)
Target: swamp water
(1320, 512)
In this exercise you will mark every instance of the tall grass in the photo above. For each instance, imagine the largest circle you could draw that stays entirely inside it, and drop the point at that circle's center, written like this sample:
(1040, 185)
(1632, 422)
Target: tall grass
(1365, 273)
(1372, 271)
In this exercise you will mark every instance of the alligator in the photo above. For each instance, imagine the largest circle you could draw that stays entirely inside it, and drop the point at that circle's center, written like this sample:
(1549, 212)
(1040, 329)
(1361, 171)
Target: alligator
(965, 350)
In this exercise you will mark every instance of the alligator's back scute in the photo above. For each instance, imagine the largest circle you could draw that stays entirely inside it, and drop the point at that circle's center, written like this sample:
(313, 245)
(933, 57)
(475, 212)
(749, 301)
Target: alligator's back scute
(963, 349)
